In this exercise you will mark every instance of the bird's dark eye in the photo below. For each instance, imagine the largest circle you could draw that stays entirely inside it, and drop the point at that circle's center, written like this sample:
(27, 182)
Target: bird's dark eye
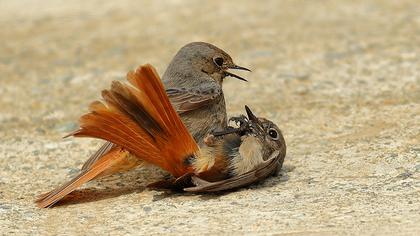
(218, 61)
(273, 134)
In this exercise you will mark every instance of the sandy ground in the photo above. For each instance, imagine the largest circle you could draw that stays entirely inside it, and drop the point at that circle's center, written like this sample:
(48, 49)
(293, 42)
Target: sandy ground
(341, 79)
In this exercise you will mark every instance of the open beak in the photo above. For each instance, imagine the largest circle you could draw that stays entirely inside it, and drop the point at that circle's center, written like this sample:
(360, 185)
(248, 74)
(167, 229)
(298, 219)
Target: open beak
(251, 116)
(254, 122)
(235, 67)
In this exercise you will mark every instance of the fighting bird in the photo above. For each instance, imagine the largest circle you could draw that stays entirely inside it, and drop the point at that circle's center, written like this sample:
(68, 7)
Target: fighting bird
(144, 126)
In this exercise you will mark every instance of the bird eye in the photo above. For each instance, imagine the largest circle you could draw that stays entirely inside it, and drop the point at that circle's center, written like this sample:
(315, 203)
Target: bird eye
(273, 134)
(218, 61)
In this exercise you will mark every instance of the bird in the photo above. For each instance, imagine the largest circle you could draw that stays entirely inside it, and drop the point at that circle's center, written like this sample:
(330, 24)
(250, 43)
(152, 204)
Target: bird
(139, 118)
(193, 82)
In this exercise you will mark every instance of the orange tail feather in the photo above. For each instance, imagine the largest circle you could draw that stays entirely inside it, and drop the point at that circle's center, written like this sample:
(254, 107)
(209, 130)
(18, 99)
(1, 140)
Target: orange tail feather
(113, 157)
(141, 119)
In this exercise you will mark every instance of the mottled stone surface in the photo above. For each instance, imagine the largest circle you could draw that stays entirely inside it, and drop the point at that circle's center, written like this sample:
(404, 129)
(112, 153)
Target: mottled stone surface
(341, 78)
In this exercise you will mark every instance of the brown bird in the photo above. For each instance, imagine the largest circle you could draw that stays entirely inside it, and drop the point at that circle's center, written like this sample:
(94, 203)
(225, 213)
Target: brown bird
(193, 82)
(139, 118)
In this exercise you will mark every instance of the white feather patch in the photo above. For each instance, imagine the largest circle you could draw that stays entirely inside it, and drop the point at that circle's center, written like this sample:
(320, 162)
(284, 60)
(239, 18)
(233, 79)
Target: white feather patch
(249, 155)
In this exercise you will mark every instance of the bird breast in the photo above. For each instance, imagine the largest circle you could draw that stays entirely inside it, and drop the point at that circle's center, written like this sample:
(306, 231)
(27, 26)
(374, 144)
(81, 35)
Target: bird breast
(229, 157)
(249, 155)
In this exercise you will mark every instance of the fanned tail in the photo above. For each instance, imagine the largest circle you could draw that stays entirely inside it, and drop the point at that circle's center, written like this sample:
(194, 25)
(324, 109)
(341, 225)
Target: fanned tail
(140, 118)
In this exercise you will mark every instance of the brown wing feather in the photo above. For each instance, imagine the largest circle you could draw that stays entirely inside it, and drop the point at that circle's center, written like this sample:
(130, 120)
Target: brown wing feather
(185, 101)
(259, 173)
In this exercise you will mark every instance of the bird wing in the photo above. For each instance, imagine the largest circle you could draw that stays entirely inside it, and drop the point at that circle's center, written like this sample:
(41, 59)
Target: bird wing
(185, 100)
(266, 168)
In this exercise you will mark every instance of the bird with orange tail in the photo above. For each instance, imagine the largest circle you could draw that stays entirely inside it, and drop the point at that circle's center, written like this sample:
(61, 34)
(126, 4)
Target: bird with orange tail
(139, 118)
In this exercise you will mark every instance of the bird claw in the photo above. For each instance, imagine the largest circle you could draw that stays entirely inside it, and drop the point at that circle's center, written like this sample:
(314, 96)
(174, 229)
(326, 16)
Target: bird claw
(239, 120)
(243, 123)
(243, 126)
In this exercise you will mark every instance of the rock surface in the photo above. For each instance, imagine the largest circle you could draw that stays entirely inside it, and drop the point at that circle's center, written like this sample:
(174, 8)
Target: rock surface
(340, 78)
